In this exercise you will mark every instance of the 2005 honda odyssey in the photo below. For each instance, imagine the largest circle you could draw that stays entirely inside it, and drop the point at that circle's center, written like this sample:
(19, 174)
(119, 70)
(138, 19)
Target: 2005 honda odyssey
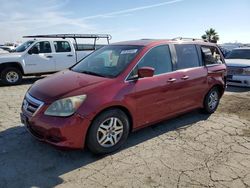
(121, 88)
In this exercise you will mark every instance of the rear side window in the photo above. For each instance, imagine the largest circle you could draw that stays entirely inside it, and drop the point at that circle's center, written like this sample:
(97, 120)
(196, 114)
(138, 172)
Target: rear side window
(187, 56)
(158, 58)
(43, 47)
(62, 46)
(211, 55)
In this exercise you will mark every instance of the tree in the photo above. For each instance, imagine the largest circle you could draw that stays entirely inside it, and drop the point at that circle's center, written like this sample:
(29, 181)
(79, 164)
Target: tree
(211, 35)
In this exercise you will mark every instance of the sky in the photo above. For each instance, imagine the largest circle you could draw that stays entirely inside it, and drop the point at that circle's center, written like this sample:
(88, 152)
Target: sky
(126, 19)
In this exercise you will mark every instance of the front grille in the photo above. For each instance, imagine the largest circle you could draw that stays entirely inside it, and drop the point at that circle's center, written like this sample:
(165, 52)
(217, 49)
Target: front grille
(234, 70)
(31, 105)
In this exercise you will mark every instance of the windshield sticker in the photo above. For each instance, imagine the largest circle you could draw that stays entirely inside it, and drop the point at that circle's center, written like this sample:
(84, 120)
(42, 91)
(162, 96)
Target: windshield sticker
(132, 51)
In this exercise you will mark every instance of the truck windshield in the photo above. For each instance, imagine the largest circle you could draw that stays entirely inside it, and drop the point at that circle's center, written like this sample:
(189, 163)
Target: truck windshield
(239, 54)
(24, 46)
(108, 61)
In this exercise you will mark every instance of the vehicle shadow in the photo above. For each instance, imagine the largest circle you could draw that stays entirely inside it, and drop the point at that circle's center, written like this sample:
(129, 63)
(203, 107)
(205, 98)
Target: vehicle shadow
(26, 162)
(237, 89)
(25, 81)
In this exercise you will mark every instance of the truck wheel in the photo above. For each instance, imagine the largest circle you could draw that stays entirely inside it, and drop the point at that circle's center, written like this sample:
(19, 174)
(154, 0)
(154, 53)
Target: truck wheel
(11, 76)
(108, 132)
(211, 101)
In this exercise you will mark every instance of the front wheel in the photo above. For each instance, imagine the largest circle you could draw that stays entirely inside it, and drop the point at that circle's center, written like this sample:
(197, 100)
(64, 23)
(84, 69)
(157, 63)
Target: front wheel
(11, 76)
(108, 132)
(211, 101)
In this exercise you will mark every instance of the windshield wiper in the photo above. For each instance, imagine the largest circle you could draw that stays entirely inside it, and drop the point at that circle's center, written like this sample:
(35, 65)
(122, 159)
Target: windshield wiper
(92, 73)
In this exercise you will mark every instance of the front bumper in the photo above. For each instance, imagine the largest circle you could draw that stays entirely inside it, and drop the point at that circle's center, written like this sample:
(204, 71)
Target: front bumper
(238, 80)
(69, 132)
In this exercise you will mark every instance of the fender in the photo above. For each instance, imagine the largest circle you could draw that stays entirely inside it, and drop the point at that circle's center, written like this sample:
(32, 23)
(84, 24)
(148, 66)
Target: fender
(11, 64)
(114, 104)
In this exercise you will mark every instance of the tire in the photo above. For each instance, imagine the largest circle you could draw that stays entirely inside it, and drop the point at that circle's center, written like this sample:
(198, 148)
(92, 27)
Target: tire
(108, 132)
(211, 101)
(11, 76)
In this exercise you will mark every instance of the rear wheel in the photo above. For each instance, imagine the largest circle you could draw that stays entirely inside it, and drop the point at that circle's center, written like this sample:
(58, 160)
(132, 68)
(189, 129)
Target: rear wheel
(211, 101)
(11, 76)
(108, 131)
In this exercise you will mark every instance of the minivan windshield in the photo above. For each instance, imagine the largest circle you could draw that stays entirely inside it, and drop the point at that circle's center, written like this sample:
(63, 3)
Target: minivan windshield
(24, 46)
(109, 61)
(239, 54)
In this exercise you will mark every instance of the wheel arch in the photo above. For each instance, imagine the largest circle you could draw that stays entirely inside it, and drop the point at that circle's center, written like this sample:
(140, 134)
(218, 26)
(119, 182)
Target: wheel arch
(120, 107)
(11, 64)
(220, 88)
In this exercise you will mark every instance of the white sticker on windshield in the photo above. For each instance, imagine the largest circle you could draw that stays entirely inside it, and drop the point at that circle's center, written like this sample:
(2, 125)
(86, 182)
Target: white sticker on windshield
(132, 51)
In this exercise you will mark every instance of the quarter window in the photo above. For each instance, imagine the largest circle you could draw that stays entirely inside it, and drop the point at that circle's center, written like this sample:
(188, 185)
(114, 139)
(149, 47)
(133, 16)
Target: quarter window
(211, 55)
(187, 56)
(62, 46)
(43, 47)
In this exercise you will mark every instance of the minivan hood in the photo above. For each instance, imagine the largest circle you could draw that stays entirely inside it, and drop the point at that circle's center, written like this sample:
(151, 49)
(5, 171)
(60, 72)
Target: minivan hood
(63, 84)
(238, 62)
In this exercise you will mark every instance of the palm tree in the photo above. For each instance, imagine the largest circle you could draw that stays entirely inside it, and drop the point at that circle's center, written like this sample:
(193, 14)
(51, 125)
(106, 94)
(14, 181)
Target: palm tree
(211, 35)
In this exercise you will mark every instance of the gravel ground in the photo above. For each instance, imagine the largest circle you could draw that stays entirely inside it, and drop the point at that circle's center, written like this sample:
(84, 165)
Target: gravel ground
(193, 150)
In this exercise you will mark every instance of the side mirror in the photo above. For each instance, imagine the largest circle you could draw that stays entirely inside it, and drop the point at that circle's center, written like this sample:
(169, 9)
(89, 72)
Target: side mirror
(146, 72)
(33, 50)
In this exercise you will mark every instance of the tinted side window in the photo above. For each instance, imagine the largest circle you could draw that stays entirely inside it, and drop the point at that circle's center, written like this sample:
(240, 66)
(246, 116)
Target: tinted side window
(158, 58)
(62, 46)
(43, 47)
(211, 55)
(187, 56)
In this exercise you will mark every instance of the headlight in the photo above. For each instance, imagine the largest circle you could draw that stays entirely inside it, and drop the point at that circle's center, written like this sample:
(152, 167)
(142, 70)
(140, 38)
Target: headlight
(246, 71)
(65, 107)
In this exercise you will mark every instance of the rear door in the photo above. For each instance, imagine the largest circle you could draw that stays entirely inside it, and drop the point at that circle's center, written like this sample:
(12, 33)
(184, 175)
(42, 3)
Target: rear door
(64, 55)
(192, 76)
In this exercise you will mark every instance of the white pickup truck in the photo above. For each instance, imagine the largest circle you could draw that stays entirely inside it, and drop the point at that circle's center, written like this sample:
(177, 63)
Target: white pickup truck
(48, 54)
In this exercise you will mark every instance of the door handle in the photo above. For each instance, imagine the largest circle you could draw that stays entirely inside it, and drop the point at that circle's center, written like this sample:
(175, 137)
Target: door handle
(49, 56)
(185, 77)
(69, 55)
(171, 80)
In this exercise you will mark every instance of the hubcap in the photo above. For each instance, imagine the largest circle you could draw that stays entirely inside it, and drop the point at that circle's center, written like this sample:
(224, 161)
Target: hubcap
(110, 132)
(213, 100)
(12, 77)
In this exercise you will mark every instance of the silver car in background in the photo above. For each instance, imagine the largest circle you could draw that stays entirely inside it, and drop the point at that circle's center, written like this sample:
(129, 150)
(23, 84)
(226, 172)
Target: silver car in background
(238, 64)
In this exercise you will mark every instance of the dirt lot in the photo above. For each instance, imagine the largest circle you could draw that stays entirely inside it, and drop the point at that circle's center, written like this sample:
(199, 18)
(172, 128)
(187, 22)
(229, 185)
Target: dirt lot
(193, 150)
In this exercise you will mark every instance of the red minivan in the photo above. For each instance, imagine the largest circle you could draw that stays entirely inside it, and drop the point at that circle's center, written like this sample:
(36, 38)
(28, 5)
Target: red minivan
(123, 87)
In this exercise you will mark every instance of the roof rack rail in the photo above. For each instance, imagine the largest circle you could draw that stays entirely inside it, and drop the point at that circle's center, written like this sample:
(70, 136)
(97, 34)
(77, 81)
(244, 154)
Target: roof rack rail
(189, 39)
(73, 36)
(64, 36)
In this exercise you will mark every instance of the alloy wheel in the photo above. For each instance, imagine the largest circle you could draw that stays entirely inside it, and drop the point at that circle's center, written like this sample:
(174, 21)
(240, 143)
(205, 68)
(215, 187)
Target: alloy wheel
(110, 132)
(213, 100)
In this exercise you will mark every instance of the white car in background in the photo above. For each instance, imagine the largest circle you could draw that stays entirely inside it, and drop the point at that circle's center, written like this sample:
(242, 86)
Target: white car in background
(2, 51)
(6, 48)
(238, 64)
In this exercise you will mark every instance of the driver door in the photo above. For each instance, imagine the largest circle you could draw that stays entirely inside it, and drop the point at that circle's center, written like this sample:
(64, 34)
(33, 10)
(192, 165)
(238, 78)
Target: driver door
(41, 59)
(153, 96)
